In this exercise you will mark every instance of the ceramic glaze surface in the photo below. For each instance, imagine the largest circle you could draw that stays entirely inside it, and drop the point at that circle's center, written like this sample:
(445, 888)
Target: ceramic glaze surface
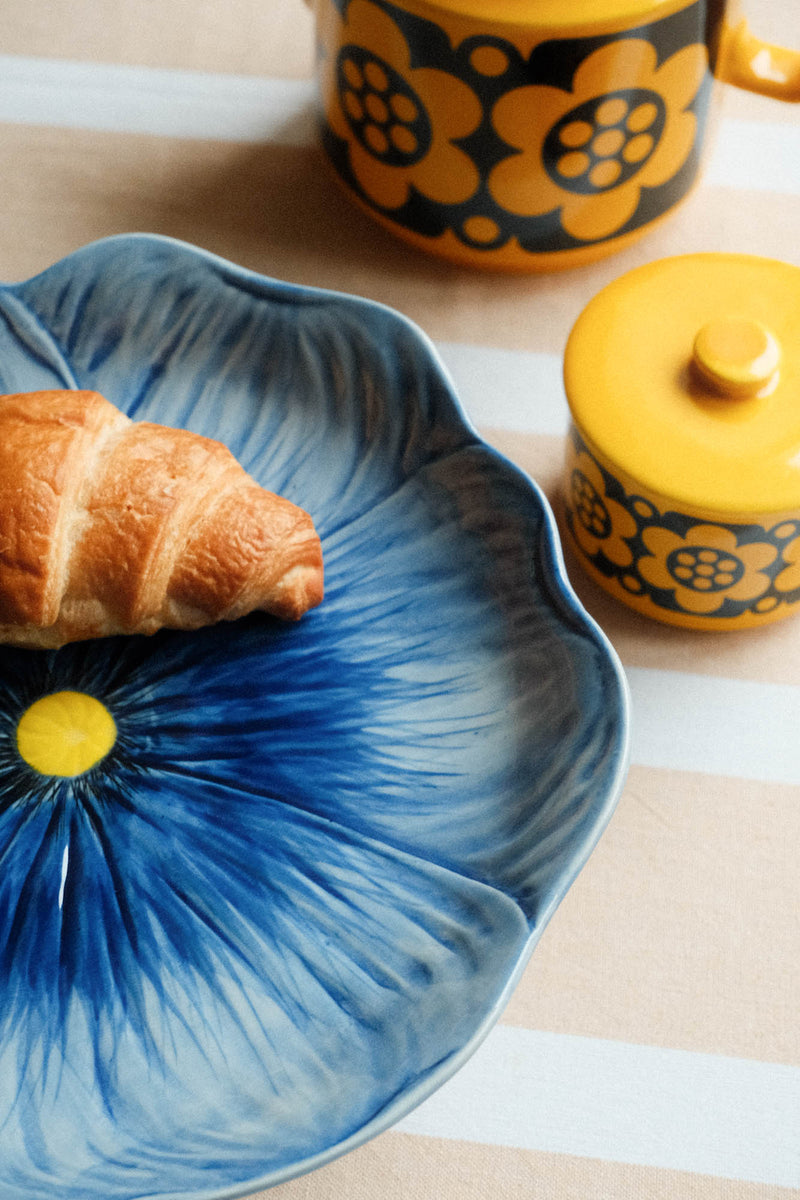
(293, 892)
(681, 484)
(517, 146)
(696, 570)
(630, 372)
(529, 135)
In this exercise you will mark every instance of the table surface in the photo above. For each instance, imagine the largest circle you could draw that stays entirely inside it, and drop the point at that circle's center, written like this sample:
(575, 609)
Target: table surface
(652, 1046)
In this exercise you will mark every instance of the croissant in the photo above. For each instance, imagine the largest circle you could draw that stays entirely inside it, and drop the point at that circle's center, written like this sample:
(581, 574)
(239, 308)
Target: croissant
(111, 526)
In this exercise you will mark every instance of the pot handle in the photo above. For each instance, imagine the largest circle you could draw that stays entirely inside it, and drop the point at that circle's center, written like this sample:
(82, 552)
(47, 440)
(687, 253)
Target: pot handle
(748, 62)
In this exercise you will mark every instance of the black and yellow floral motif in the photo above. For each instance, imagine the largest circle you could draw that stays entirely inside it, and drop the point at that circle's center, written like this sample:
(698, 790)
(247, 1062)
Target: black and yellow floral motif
(600, 523)
(705, 567)
(589, 152)
(483, 148)
(384, 113)
(671, 564)
(605, 141)
(589, 507)
(401, 123)
(788, 580)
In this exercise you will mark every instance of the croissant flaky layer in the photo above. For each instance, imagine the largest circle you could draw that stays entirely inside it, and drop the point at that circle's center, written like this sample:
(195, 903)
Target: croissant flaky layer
(111, 526)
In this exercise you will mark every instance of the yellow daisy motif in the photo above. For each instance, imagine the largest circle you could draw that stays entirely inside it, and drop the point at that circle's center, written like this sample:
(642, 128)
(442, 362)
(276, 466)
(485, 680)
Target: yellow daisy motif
(590, 151)
(400, 122)
(599, 522)
(706, 567)
(789, 578)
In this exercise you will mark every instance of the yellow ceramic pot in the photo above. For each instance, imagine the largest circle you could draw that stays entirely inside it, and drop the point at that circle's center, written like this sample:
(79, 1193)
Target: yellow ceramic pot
(682, 480)
(528, 134)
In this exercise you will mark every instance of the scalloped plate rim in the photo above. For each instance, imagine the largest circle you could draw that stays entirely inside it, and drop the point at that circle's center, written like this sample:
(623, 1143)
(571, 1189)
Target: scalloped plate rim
(570, 607)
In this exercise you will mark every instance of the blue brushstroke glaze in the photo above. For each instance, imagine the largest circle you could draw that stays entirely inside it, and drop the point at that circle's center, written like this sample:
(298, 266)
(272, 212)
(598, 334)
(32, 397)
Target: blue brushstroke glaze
(295, 894)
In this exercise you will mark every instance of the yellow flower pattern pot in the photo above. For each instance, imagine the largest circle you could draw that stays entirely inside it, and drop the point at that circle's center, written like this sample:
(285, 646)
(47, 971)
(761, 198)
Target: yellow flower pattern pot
(528, 134)
(682, 476)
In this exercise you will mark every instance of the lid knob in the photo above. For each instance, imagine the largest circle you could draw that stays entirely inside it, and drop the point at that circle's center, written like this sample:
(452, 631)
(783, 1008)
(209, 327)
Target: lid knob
(737, 356)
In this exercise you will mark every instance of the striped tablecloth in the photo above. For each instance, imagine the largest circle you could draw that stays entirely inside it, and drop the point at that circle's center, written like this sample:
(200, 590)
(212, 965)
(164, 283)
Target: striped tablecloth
(652, 1047)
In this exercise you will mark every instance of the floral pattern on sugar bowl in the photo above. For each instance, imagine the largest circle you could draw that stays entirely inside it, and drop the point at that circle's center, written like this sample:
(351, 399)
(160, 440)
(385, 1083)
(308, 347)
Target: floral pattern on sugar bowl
(681, 568)
(601, 523)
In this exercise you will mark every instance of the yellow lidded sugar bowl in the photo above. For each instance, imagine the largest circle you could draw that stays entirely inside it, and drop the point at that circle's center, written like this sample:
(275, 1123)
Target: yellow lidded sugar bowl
(682, 479)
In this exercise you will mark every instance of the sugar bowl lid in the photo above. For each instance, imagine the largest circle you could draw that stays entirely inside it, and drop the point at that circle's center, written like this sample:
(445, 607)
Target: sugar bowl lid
(684, 375)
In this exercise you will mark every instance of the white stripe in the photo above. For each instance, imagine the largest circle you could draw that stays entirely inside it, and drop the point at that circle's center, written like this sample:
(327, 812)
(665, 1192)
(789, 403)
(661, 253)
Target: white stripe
(196, 104)
(715, 725)
(673, 1109)
(187, 104)
(520, 391)
(755, 155)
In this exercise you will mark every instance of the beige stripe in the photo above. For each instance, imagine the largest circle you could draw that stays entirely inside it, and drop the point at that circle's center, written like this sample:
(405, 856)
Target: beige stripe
(454, 306)
(273, 208)
(278, 210)
(242, 37)
(397, 1166)
(683, 930)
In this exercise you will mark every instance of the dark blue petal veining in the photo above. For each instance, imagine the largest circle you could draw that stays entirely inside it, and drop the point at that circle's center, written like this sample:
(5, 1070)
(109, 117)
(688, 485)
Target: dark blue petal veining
(297, 891)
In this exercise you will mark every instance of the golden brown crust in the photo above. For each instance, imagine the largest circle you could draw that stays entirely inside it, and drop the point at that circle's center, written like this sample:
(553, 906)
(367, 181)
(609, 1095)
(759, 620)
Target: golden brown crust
(245, 526)
(136, 517)
(45, 439)
(110, 526)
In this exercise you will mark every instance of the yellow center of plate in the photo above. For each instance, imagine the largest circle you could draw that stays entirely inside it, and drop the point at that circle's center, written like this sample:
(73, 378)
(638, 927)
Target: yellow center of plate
(65, 733)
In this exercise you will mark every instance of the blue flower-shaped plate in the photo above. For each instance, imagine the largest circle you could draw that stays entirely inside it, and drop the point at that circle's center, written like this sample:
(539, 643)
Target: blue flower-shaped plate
(298, 890)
